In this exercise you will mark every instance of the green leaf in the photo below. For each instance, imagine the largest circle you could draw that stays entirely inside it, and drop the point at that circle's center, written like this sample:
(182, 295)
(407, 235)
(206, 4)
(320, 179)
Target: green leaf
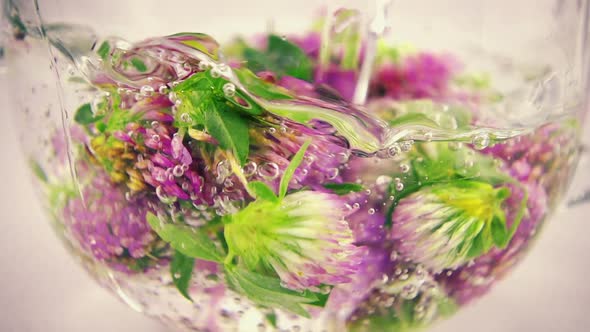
(290, 171)
(229, 129)
(267, 291)
(38, 170)
(260, 87)
(181, 269)
(139, 65)
(281, 57)
(499, 231)
(272, 319)
(84, 115)
(343, 188)
(262, 191)
(103, 50)
(189, 241)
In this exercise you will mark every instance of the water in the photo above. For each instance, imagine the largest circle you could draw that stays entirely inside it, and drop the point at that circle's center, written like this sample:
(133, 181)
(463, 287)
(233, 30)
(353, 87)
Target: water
(272, 201)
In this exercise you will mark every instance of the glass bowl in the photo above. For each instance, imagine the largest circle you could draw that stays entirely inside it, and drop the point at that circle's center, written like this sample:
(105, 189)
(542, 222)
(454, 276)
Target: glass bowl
(301, 166)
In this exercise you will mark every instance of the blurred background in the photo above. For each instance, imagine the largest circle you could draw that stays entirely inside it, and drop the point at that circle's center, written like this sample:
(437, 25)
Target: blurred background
(43, 289)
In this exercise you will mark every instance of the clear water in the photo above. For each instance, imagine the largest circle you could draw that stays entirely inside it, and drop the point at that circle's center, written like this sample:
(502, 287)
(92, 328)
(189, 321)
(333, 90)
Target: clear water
(409, 202)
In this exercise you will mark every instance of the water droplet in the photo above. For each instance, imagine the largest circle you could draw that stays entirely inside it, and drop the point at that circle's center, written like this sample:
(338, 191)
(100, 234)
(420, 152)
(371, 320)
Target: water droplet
(269, 171)
(308, 160)
(368, 191)
(371, 211)
(356, 206)
(229, 90)
(405, 168)
(332, 173)
(283, 129)
(155, 124)
(249, 168)
(391, 198)
(399, 186)
(272, 130)
(185, 186)
(146, 90)
(481, 141)
(178, 171)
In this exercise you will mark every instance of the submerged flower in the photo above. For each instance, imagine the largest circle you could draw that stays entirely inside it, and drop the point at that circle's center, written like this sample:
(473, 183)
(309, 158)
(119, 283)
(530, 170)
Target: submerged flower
(107, 225)
(275, 148)
(418, 76)
(474, 280)
(446, 225)
(303, 237)
(163, 162)
(405, 298)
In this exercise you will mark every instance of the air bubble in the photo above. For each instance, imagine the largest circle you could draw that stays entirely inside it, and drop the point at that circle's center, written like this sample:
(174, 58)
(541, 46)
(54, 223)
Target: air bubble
(399, 186)
(409, 292)
(356, 206)
(272, 130)
(178, 171)
(155, 124)
(394, 150)
(332, 173)
(185, 117)
(383, 180)
(146, 90)
(163, 89)
(269, 171)
(481, 141)
(156, 137)
(406, 145)
(204, 65)
(249, 168)
(371, 211)
(405, 168)
(391, 198)
(229, 90)
(343, 157)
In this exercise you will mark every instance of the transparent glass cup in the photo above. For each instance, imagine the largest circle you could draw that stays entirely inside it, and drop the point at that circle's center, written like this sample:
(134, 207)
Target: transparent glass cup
(309, 165)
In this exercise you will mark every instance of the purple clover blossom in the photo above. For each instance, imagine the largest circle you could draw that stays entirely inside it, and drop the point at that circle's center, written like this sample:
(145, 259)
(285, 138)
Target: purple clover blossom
(474, 280)
(166, 164)
(422, 75)
(439, 226)
(304, 238)
(320, 165)
(341, 80)
(106, 224)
